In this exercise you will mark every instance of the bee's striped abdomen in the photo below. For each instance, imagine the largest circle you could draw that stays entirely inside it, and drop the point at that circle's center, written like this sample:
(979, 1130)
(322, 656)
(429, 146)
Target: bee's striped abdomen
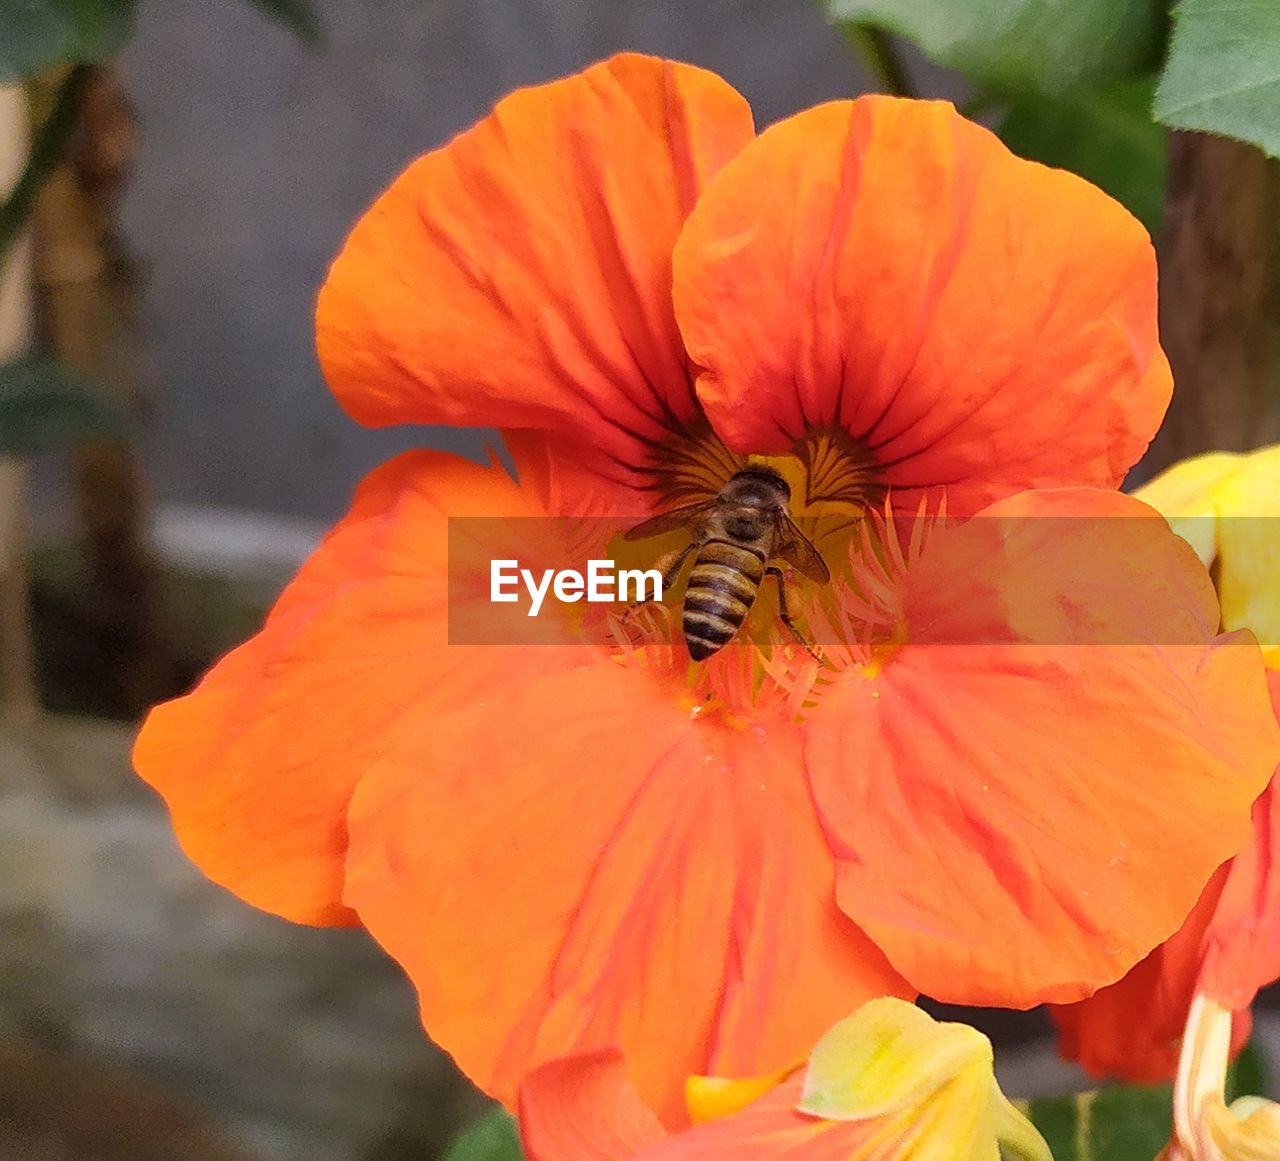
(722, 588)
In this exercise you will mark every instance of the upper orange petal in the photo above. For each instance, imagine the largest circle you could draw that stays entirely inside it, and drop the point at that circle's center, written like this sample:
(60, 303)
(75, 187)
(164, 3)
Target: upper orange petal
(581, 863)
(258, 763)
(520, 276)
(1032, 792)
(890, 269)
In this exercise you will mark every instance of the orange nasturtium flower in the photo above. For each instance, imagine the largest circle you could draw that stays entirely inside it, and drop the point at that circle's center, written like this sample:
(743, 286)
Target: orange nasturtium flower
(590, 842)
(885, 1084)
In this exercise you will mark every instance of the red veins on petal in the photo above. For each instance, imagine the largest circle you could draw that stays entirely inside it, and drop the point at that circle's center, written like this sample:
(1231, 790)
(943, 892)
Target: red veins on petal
(520, 276)
(1009, 797)
(889, 269)
(579, 863)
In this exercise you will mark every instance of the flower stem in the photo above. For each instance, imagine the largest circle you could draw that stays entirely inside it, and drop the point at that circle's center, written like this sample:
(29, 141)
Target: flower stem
(46, 151)
(881, 56)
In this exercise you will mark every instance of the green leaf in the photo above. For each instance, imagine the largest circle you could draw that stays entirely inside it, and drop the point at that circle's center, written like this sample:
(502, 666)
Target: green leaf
(1106, 135)
(296, 15)
(1011, 46)
(1120, 1123)
(41, 33)
(1247, 1075)
(1223, 74)
(492, 1138)
(44, 406)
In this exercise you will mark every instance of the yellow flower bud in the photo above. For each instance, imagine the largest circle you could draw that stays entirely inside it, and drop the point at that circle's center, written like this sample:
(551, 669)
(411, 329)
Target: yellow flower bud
(928, 1087)
(1227, 507)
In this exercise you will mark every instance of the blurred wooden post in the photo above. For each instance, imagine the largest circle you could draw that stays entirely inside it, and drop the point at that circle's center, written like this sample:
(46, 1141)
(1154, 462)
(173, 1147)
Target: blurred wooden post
(17, 682)
(1220, 297)
(88, 309)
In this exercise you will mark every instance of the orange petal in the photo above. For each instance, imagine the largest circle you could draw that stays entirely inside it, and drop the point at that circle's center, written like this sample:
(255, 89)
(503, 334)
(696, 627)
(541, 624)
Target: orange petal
(258, 763)
(967, 317)
(581, 863)
(1228, 948)
(1242, 946)
(584, 1109)
(771, 1127)
(1033, 791)
(581, 1108)
(520, 276)
(1132, 1029)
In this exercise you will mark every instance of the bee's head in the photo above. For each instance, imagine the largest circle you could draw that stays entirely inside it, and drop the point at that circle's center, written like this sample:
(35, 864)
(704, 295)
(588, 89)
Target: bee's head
(758, 486)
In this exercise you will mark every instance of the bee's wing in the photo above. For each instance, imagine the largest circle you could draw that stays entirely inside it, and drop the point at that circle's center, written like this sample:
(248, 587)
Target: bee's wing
(793, 546)
(681, 517)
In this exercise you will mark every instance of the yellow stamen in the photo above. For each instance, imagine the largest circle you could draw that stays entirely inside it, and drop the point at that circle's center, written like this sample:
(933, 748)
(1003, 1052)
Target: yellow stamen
(710, 1097)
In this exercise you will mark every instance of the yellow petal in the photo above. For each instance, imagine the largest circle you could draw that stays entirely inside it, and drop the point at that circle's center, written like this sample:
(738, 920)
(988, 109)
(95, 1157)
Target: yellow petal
(888, 1057)
(1249, 547)
(1227, 507)
(930, 1084)
(1183, 494)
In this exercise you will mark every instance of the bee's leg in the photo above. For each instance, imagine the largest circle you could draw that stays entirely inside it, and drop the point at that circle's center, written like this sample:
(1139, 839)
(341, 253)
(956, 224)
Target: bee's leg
(785, 614)
(670, 563)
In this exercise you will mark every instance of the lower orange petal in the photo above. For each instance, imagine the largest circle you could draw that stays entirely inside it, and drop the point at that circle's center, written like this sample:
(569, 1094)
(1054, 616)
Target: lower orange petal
(1228, 948)
(1132, 1029)
(581, 863)
(1031, 793)
(258, 763)
(582, 1108)
(1242, 945)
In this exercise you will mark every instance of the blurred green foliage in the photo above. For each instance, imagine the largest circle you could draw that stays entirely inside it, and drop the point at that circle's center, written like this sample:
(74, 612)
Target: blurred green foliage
(1126, 1122)
(1073, 83)
(492, 1138)
(44, 406)
(46, 152)
(1120, 1123)
(1020, 46)
(1104, 134)
(38, 34)
(1223, 73)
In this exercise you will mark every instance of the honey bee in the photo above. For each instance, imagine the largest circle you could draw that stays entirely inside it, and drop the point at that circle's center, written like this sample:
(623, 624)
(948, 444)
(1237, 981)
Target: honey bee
(736, 535)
